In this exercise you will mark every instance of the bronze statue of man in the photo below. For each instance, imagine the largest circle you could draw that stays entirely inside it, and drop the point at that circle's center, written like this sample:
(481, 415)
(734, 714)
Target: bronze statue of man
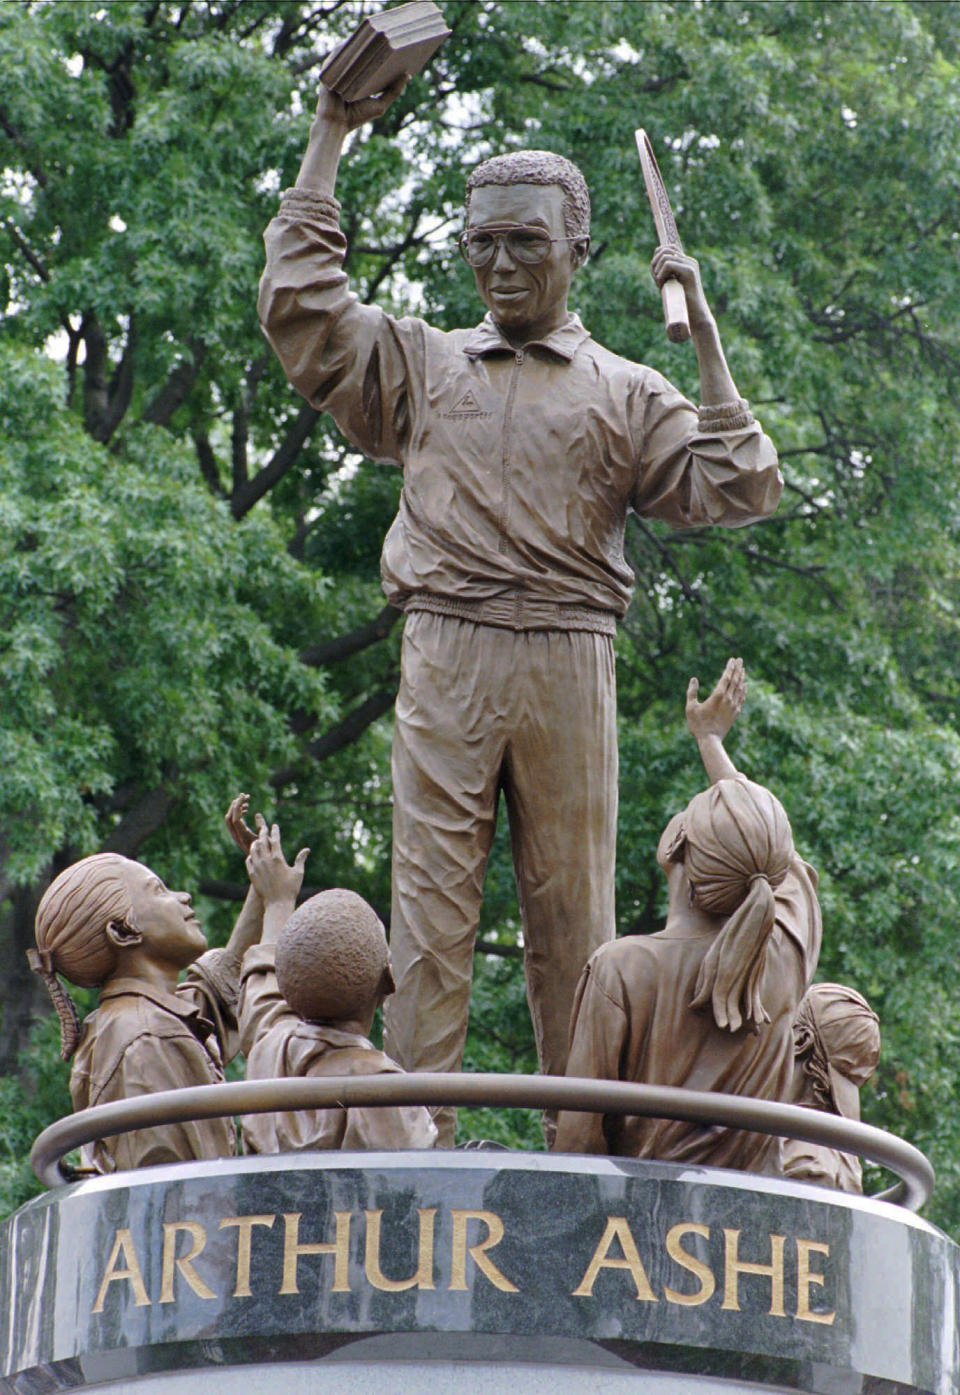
(523, 443)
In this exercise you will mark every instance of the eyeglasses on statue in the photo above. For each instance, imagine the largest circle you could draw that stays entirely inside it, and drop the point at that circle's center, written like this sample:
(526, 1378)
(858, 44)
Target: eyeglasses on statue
(478, 246)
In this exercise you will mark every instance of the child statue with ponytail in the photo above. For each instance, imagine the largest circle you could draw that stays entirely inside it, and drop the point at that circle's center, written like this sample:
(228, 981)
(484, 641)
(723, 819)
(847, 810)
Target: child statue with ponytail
(709, 1001)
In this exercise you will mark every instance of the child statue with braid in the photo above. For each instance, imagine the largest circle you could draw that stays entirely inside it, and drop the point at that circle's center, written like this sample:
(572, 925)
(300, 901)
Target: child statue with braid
(108, 922)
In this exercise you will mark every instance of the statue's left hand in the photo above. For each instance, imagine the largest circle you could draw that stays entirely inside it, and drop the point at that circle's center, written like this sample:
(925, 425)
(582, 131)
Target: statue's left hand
(236, 823)
(716, 715)
(668, 264)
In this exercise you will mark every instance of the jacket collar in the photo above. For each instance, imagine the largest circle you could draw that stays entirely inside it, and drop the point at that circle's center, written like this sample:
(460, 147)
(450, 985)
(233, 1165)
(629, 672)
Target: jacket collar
(564, 342)
(333, 1036)
(180, 1007)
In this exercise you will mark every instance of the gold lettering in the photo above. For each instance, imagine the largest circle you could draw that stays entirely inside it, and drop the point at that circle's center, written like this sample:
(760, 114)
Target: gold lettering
(690, 1262)
(123, 1245)
(423, 1278)
(339, 1248)
(806, 1277)
(733, 1267)
(198, 1237)
(244, 1226)
(617, 1229)
(458, 1260)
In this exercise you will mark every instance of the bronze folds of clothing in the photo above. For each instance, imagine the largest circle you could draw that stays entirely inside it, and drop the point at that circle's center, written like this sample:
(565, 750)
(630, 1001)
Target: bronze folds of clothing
(480, 710)
(279, 1045)
(141, 1039)
(632, 1020)
(520, 466)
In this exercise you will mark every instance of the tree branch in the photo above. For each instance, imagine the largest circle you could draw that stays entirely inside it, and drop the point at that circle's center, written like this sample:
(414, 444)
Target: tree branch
(396, 252)
(859, 318)
(240, 431)
(252, 491)
(670, 560)
(333, 651)
(24, 999)
(795, 489)
(94, 375)
(811, 573)
(238, 447)
(34, 258)
(659, 83)
(297, 546)
(538, 80)
(227, 12)
(120, 390)
(11, 131)
(494, 947)
(174, 391)
(138, 823)
(291, 30)
(824, 448)
(208, 463)
(73, 349)
(341, 734)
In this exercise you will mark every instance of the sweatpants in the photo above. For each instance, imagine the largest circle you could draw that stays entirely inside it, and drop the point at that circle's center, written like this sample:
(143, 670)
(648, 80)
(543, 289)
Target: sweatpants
(480, 710)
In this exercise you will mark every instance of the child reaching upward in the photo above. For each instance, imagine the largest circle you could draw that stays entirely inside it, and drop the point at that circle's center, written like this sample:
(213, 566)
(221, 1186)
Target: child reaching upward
(308, 996)
(108, 922)
(708, 1002)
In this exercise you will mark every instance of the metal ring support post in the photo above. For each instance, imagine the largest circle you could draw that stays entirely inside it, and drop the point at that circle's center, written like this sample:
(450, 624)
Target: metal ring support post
(511, 1091)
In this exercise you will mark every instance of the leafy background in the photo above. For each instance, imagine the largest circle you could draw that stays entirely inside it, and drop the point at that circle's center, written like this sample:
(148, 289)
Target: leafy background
(188, 571)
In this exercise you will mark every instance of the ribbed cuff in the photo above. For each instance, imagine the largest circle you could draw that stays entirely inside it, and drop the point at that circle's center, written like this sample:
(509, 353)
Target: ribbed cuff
(209, 968)
(725, 416)
(310, 203)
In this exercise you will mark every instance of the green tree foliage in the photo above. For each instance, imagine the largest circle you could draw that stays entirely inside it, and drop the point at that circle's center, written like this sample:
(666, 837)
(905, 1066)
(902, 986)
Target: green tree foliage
(188, 598)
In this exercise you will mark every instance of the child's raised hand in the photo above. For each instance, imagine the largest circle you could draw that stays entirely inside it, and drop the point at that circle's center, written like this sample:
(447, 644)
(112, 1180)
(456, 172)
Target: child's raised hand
(237, 827)
(716, 715)
(272, 877)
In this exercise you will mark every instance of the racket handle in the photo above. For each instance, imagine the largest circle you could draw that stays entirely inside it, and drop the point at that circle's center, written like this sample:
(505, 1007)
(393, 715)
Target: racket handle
(675, 311)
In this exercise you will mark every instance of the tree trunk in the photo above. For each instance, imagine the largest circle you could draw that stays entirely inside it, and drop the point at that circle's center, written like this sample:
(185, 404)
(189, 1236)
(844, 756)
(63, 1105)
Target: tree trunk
(23, 998)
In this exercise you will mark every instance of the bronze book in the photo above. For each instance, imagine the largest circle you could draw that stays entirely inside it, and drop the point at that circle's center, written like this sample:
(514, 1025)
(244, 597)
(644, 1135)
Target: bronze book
(402, 40)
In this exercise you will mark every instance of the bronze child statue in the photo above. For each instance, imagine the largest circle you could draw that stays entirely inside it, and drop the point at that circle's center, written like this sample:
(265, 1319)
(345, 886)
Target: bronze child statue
(709, 1001)
(309, 993)
(837, 1047)
(110, 923)
(524, 444)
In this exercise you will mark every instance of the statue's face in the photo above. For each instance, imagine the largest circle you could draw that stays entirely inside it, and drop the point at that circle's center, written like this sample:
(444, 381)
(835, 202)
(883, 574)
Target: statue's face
(170, 930)
(521, 296)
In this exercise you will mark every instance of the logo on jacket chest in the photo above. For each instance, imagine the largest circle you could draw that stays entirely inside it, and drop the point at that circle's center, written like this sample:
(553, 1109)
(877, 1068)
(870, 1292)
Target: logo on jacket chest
(466, 407)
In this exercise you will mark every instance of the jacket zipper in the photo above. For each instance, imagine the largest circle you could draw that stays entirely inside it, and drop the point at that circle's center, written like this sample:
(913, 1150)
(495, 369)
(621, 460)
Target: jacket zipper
(505, 452)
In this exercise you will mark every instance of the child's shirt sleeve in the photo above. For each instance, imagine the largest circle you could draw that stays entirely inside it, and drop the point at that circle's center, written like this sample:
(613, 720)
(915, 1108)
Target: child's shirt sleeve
(262, 1005)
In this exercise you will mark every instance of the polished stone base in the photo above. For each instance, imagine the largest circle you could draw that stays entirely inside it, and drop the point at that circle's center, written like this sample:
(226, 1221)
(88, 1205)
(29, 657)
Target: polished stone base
(376, 1374)
(400, 1272)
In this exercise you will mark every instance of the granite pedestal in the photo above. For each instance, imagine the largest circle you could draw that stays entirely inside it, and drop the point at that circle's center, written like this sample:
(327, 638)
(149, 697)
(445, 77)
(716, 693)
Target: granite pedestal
(402, 1272)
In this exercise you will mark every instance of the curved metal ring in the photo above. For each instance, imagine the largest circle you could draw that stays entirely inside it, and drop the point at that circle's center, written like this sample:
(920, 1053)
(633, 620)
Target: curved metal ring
(511, 1091)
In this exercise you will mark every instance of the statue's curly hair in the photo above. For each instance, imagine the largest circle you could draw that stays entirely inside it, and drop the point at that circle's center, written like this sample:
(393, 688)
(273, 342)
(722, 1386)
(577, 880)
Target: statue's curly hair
(539, 167)
(332, 958)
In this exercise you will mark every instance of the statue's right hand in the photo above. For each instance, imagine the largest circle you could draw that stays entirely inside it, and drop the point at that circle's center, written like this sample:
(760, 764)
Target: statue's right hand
(270, 874)
(237, 827)
(333, 110)
(716, 715)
